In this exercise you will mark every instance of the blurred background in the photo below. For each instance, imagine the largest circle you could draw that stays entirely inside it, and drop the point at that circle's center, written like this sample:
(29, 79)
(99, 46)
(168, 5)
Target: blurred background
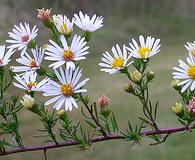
(172, 21)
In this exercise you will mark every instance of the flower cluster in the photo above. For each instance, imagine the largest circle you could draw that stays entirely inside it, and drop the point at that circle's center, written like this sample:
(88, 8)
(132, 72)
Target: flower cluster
(120, 58)
(63, 85)
(61, 81)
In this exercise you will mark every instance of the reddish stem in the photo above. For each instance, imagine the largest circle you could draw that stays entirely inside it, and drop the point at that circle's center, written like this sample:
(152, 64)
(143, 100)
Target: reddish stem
(94, 140)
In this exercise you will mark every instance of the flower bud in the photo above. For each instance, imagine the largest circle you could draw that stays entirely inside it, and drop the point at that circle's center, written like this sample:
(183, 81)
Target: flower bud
(44, 15)
(61, 114)
(32, 44)
(87, 36)
(128, 88)
(44, 46)
(136, 76)
(103, 102)
(150, 75)
(175, 83)
(41, 71)
(28, 102)
(191, 106)
(177, 108)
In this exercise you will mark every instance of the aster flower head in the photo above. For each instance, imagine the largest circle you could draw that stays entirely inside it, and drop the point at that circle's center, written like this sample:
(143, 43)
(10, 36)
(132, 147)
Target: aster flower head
(86, 23)
(28, 82)
(5, 56)
(63, 91)
(146, 49)
(21, 36)
(191, 48)
(115, 62)
(185, 73)
(30, 64)
(68, 54)
(63, 24)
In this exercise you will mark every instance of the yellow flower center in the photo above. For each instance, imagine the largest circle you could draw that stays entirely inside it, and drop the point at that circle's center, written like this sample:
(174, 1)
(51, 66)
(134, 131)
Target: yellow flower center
(143, 50)
(193, 52)
(67, 90)
(191, 72)
(63, 28)
(31, 84)
(68, 55)
(33, 63)
(25, 38)
(118, 62)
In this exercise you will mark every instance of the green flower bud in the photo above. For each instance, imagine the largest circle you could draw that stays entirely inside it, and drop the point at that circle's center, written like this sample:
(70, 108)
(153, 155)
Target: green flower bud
(32, 44)
(41, 71)
(150, 75)
(129, 88)
(175, 83)
(177, 108)
(87, 36)
(62, 114)
(28, 102)
(136, 76)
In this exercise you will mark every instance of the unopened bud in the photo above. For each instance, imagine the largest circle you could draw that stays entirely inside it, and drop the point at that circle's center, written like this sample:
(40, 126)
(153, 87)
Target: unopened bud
(136, 76)
(103, 102)
(87, 36)
(44, 15)
(44, 46)
(41, 71)
(191, 106)
(150, 75)
(28, 102)
(61, 114)
(177, 108)
(32, 44)
(129, 88)
(175, 83)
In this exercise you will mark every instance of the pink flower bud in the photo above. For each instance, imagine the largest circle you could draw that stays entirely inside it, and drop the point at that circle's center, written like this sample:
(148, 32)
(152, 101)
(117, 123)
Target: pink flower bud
(103, 101)
(44, 14)
(191, 106)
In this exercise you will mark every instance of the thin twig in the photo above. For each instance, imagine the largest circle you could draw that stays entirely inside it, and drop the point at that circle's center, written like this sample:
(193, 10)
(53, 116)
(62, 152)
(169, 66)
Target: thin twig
(94, 140)
(93, 117)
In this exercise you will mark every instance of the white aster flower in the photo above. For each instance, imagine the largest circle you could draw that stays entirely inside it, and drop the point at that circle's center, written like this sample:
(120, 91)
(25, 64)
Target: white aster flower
(146, 49)
(30, 64)
(68, 54)
(86, 23)
(186, 73)
(117, 61)
(28, 82)
(63, 24)
(5, 56)
(191, 48)
(21, 36)
(63, 92)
